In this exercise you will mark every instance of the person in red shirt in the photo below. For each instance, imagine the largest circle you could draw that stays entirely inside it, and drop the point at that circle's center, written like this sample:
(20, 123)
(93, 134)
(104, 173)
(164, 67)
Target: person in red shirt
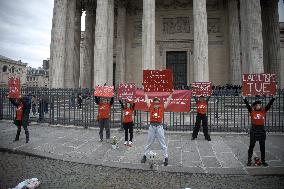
(22, 116)
(104, 115)
(127, 120)
(257, 131)
(156, 129)
(201, 116)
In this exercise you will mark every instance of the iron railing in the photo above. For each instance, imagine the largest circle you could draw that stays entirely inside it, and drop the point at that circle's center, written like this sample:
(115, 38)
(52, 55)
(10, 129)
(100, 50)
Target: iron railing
(226, 111)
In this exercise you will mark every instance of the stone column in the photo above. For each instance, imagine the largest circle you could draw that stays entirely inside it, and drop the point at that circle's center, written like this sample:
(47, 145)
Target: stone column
(86, 79)
(234, 39)
(252, 54)
(271, 37)
(57, 46)
(148, 35)
(110, 42)
(201, 67)
(101, 43)
(73, 36)
(120, 43)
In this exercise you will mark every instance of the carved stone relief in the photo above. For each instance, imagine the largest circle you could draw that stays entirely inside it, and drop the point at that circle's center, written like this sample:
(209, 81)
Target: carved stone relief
(214, 25)
(175, 25)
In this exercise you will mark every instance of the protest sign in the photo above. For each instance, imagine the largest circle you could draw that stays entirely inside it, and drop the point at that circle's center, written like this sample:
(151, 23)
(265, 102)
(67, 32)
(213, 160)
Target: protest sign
(14, 87)
(127, 92)
(201, 89)
(158, 80)
(104, 91)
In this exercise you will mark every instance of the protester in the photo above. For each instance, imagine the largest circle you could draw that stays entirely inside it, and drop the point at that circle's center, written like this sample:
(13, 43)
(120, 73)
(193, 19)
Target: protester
(79, 100)
(201, 116)
(128, 110)
(34, 104)
(22, 116)
(156, 130)
(257, 131)
(104, 115)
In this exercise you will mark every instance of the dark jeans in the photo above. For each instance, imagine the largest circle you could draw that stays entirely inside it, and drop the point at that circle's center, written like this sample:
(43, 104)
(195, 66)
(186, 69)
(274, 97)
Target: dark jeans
(104, 123)
(19, 126)
(128, 127)
(199, 118)
(34, 109)
(252, 144)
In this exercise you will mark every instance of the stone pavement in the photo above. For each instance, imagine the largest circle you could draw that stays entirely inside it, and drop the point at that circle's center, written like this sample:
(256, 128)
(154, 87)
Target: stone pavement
(225, 154)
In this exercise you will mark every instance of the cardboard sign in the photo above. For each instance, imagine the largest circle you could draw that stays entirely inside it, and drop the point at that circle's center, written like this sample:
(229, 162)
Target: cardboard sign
(127, 92)
(259, 84)
(104, 91)
(14, 87)
(180, 100)
(201, 89)
(158, 80)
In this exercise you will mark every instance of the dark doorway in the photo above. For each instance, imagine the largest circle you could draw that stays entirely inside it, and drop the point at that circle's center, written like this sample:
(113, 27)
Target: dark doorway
(177, 62)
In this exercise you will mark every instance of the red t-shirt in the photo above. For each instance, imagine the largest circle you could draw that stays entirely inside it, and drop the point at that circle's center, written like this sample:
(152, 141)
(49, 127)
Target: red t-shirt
(201, 107)
(127, 115)
(104, 110)
(156, 115)
(258, 117)
(19, 112)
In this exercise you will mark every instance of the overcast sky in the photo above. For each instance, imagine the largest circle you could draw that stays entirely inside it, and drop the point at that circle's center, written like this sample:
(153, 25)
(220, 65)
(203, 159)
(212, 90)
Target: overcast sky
(25, 27)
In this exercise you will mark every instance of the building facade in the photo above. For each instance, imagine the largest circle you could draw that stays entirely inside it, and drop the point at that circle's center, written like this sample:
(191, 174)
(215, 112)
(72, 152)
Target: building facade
(213, 40)
(38, 77)
(12, 68)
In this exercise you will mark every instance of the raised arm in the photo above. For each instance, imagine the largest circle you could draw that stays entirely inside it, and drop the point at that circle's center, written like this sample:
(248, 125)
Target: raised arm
(268, 106)
(208, 98)
(247, 104)
(121, 104)
(195, 99)
(111, 101)
(147, 100)
(97, 99)
(14, 102)
(168, 101)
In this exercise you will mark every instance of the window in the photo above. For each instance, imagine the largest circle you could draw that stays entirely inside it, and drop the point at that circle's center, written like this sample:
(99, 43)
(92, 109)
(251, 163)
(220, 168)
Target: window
(5, 68)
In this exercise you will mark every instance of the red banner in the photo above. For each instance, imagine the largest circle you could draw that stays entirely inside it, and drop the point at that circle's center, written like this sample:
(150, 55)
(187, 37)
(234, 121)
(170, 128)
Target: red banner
(201, 89)
(104, 91)
(14, 87)
(180, 100)
(127, 92)
(158, 80)
(259, 84)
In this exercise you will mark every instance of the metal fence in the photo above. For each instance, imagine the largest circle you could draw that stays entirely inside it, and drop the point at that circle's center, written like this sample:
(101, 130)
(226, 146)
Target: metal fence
(226, 111)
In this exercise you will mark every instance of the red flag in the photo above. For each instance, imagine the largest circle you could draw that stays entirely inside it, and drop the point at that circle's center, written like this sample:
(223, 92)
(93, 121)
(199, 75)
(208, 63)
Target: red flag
(180, 100)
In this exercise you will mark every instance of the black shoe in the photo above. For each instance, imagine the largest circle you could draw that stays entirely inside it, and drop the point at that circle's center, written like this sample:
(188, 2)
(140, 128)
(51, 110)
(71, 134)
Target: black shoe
(209, 139)
(143, 160)
(249, 163)
(16, 139)
(166, 162)
(264, 164)
(193, 138)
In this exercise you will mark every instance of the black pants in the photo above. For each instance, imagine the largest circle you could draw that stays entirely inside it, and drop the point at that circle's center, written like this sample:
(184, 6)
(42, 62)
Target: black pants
(19, 126)
(257, 135)
(199, 118)
(128, 127)
(104, 123)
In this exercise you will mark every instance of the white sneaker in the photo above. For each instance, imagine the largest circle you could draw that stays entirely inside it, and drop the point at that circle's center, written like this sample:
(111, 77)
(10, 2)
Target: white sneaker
(125, 143)
(129, 143)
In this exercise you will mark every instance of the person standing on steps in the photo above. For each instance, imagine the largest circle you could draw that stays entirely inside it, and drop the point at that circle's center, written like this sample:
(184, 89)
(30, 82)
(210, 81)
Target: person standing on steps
(201, 116)
(22, 116)
(257, 131)
(156, 129)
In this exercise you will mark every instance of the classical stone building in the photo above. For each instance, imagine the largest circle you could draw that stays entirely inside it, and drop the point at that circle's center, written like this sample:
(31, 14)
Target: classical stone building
(12, 68)
(38, 77)
(213, 40)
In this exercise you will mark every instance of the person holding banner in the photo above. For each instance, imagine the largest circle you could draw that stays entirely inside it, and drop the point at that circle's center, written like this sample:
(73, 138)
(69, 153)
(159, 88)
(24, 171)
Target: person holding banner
(156, 129)
(128, 110)
(201, 116)
(104, 115)
(257, 131)
(22, 116)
